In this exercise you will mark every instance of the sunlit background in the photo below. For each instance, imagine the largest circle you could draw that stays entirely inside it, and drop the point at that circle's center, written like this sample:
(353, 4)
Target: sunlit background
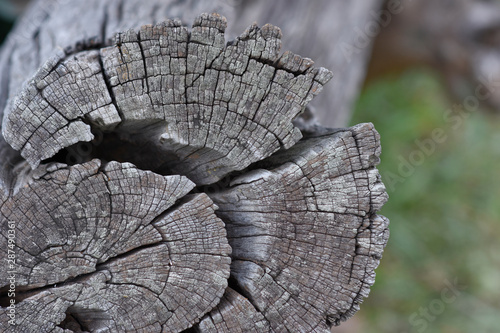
(441, 269)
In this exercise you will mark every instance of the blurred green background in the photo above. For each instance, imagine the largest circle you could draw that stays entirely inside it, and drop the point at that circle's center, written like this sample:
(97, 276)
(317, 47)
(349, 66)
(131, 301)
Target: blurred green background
(444, 214)
(440, 271)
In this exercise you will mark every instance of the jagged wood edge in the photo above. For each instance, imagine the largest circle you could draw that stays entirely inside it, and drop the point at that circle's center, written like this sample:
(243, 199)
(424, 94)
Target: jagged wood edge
(171, 90)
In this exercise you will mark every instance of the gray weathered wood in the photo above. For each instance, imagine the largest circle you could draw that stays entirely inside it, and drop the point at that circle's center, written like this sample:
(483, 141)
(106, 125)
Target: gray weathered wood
(305, 242)
(335, 33)
(207, 108)
(110, 238)
(291, 243)
(233, 314)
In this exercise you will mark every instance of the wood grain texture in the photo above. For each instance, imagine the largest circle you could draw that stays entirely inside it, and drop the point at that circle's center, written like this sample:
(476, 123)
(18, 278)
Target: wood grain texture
(304, 232)
(210, 109)
(202, 207)
(115, 242)
(337, 34)
(234, 314)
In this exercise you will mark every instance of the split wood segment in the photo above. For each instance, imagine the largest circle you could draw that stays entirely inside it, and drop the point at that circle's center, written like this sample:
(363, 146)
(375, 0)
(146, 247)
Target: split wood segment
(108, 239)
(107, 246)
(212, 108)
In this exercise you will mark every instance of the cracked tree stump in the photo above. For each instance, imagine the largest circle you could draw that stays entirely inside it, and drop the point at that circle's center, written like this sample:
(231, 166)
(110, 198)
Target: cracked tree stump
(156, 182)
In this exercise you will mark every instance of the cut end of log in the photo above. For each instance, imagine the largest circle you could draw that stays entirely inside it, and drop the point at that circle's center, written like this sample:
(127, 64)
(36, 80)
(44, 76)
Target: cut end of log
(200, 207)
(211, 108)
(293, 224)
(116, 242)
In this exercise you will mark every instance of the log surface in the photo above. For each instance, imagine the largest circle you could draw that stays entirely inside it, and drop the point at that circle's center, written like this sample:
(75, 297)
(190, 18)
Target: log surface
(337, 34)
(207, 108)
(303, 258)
(156, 182)
(109, 246)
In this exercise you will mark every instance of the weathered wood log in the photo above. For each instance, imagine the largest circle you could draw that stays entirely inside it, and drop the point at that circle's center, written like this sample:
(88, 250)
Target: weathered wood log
(212, 108)
(290, 237)
(227, 221)
(335, 33)
(107, 237)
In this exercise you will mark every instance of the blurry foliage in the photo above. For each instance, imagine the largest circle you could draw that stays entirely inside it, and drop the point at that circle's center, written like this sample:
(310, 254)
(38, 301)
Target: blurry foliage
(445, 217)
